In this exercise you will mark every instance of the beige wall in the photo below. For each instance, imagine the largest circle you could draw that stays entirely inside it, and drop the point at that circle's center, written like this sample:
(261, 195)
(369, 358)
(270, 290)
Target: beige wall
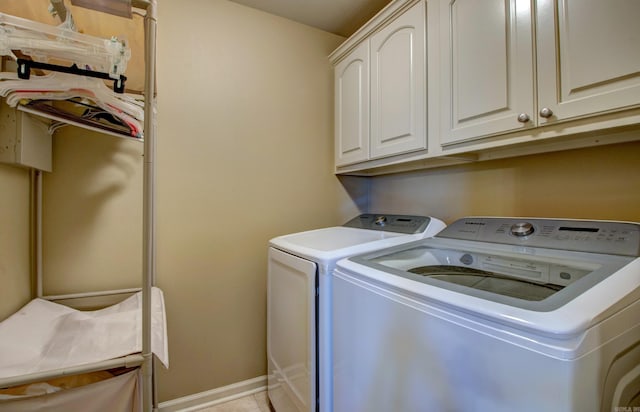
(245, 153)
(595, 183)
(14, 239)
(92, 214)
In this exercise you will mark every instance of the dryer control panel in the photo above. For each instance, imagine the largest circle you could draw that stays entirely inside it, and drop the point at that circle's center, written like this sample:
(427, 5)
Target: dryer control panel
(593, 236)
(408, 224)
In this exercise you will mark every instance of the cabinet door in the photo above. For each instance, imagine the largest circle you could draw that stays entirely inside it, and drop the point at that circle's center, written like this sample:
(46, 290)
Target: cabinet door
(352, 107)
(398, 85)
(588, 56)
(486, 68)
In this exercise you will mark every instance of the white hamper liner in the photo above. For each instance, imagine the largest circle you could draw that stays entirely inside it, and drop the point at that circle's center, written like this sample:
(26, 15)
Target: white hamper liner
(118, 394)
(45, 336)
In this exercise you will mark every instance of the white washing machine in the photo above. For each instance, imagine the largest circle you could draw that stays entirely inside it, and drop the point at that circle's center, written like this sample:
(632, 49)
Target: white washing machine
(299, 301)
(492, 315)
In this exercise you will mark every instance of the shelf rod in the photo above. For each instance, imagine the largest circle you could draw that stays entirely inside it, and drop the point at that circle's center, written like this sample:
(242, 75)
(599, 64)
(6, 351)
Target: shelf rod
(127, 361)
(50, 116)
(91, 294)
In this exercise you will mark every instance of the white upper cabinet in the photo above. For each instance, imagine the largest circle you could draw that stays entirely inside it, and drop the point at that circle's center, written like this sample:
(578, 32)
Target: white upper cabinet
(398, 85)
(380, 87)
(497, 77)
(486, 68)
(588, 57)
(427, 83)
(352, 107)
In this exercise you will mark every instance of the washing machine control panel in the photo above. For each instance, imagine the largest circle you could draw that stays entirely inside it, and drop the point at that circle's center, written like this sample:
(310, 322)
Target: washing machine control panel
(617, 238)
(408, 224)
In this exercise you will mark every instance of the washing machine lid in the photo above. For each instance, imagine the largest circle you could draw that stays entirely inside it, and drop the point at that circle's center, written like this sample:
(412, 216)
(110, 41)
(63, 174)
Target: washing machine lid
(331, 238)
(534, 279)
(361, 234)
(504, 260)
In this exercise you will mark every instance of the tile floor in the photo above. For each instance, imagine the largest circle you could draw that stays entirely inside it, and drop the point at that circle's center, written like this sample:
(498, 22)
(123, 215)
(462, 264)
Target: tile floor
(257, 402)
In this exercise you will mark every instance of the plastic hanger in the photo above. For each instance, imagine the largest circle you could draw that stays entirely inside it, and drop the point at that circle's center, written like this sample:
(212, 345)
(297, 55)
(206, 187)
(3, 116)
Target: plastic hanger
(41, 41)
(62, 86)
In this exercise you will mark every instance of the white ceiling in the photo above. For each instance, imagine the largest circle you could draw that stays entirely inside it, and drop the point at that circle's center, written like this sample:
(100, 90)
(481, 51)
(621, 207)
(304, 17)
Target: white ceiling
(342, 17)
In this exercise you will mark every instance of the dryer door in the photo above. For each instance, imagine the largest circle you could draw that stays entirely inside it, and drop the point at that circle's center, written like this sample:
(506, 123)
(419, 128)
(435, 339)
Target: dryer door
(291, 332)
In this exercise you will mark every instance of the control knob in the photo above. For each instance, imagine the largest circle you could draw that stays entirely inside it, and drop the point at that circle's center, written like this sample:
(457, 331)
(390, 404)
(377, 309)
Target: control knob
(522, 229)
(380, 220)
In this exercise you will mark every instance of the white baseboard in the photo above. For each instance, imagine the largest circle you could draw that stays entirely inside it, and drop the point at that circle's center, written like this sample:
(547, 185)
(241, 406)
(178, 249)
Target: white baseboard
(215, 396)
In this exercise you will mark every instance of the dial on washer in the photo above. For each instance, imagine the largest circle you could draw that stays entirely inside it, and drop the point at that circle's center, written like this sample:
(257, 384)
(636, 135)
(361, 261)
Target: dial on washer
(380, 220)
(522, 229)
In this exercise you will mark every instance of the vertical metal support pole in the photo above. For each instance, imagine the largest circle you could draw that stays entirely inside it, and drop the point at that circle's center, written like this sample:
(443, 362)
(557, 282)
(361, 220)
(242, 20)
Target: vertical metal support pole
(38, 232)
(33, 233)
(149, 213)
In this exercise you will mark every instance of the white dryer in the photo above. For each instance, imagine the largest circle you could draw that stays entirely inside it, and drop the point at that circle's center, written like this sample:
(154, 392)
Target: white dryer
(495, 315)
(299, 301)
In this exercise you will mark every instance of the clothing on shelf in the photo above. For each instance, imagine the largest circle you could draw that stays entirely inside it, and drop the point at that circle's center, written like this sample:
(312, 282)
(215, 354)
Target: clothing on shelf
(62, 86)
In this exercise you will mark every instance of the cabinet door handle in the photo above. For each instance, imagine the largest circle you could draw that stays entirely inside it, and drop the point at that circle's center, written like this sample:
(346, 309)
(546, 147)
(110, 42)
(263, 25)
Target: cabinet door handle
(523, 118)
(546, 112)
